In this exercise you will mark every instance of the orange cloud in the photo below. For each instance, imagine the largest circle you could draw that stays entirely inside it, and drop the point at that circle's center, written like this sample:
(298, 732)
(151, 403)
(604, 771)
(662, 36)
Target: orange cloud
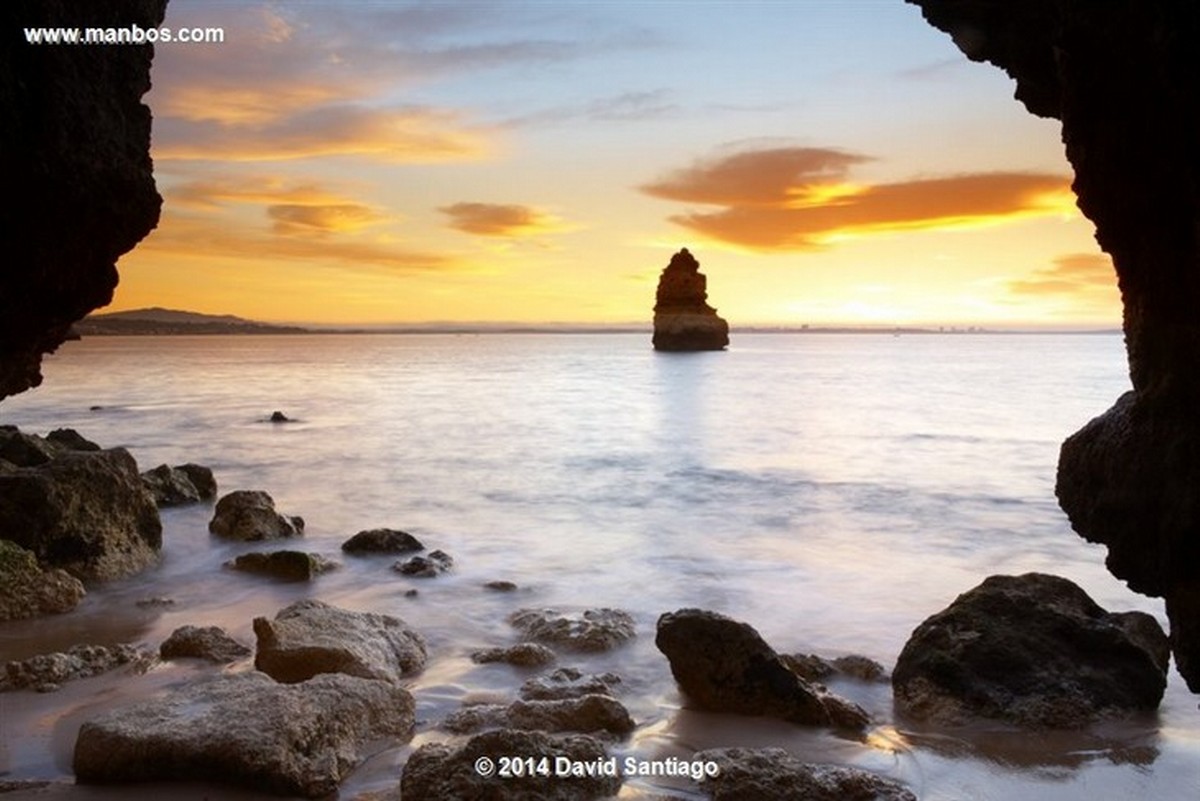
(1071, 274)
(500, 220)
(211, 193)
(296, 218)
(799, 199)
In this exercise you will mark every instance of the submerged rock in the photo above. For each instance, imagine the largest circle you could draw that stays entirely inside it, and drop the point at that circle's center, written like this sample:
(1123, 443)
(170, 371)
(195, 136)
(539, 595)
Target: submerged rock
(184, 484)
(1033, 650)
(47, 672)
(434, 564)
(244, 729)
(525, 654)
(756, 774)
(683, 320)
(86, 512)
(568, 682)
(382, 540)
(249, 515)
(811, 667)
(723, 665)
(286, 565)
(310, 637)
(28, 591)
(210, 642)
(440, 773)
(589, 630)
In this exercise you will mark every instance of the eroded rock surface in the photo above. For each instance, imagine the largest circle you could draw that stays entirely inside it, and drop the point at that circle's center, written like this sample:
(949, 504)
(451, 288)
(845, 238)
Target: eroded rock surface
(211, 643)
(286, 565)
(588, 630)
(47, 672)
(569, 682)
(438, 772)
(683, 320)
(382, 540)
(183, 484)
(590, 714)
(755, 774)
(75, 158)
(1124, 79)
(524, 654)
(723, 665)
(245, 729)
(249, 515)
(26, 590)
(1033, 650)
(310, 637)
(428, 565)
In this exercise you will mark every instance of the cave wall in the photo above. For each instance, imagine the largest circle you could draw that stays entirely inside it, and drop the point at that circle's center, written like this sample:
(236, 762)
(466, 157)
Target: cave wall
(75, 166)
(1121, 75)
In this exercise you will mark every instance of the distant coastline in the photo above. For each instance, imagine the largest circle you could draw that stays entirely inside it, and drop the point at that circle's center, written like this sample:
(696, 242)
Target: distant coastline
(158, 321)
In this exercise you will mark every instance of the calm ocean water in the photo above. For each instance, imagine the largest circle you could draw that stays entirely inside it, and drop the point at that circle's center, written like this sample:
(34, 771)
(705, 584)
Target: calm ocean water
(831, 490)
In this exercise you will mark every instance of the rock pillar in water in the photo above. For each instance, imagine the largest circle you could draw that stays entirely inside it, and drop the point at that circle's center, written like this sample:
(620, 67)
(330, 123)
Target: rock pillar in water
(683, 320)
(1124, 79)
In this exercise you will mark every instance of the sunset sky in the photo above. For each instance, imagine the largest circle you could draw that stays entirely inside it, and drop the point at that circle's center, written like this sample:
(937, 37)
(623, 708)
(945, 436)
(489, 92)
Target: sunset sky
(828, 162)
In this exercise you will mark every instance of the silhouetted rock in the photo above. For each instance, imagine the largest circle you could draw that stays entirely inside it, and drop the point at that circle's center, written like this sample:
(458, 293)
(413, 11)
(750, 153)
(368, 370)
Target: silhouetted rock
(433, 564)
(755, 774)
(311, 637)
(47, 672)
(286, 565)
(279, 417)
(245, 729)
(28, 591)
(683, 320)
(210, 642)
(1034, 650)
(589, 630)
(382, 540)
(525, 654)
(75, 160)
(1128, 479)
(725, 666)
(250, 515)
(439, 773)
(86, 512)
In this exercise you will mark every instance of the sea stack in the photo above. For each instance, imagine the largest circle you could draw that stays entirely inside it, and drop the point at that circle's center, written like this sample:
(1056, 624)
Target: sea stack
(683, 320)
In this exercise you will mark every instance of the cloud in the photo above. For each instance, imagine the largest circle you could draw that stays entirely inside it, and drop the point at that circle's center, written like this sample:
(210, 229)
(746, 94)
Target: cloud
(213, 192)
(1071, 274)
(793, 198)
(304, 219)
(500, 220)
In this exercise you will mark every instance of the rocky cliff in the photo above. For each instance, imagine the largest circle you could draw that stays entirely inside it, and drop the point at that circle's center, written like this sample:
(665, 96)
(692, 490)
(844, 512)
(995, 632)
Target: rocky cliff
(1124, 79)
(683, 320)
(75, 166)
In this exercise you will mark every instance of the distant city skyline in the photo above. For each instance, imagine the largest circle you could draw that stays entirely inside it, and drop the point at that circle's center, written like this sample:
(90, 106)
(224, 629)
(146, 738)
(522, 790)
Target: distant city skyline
(829, 163)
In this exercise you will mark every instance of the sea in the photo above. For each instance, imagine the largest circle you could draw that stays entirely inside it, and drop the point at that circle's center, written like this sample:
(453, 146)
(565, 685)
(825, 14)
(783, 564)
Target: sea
(831, 490)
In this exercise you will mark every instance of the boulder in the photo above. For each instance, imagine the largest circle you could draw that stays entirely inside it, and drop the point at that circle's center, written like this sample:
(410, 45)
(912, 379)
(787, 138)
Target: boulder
(86, 512)
(310, 637)
(439, 772)
(590, 714)
(525, 654)
(382, 540)
(683, 320)
(1128, 478)
(176, 486)
(500, 586)
(723, 665)
(286, 565)
(210, 642)
(589, 630)
(1033, 650)
(75, 149)
(568, 682)
(755, 774)
(434, 564)
(71, 440)
(25, 450)
(250, 515)
(28, 591)
(47, 672)
(244, 729)
(813, 668)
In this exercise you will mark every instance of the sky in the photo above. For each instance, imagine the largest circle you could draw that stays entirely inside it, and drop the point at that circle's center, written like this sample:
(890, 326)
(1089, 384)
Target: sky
(828, 162)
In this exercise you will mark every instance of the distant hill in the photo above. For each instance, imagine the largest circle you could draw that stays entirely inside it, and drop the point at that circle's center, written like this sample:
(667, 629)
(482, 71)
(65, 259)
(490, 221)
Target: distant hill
(169, 322)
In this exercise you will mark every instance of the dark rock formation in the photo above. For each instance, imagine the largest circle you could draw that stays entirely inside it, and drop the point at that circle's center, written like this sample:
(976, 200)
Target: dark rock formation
(250, 515)
(589, 630)
(244, 729)
(811, 667)
(433, 564)
(71, 440)
(286, 565)
(589, 714)
(569, 682)
(382, 540)
(752, 774)
(28, 591)
(525, 654)
(311, 637)
(1124, 79)
(436, 771)
(47, 672)
(1033, 650)
(210, 642)
(75, 160)
(84, 511)
(683, 320)
(176, 486)
(725, 666)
